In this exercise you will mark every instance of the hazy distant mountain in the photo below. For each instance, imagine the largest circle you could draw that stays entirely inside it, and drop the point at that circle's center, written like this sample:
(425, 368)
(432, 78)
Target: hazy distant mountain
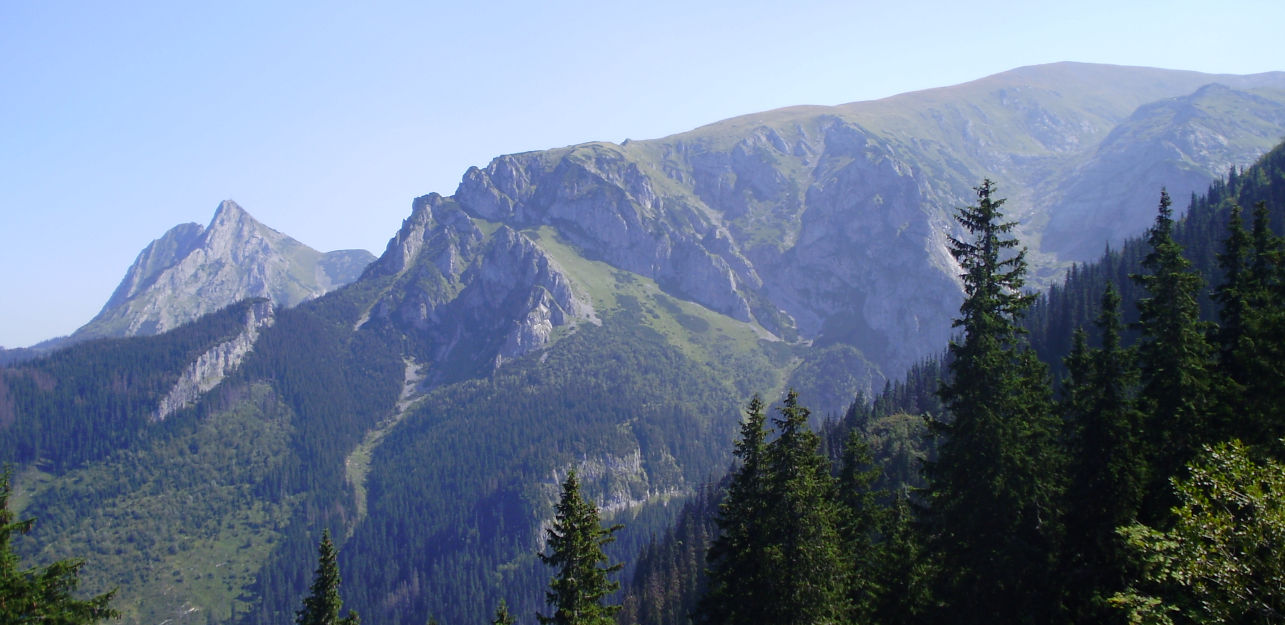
(191, 271)
(828, 224)
(605, 307)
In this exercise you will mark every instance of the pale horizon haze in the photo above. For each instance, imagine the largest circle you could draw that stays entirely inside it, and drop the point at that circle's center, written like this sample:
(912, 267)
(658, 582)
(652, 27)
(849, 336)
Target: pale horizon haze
(324, 120)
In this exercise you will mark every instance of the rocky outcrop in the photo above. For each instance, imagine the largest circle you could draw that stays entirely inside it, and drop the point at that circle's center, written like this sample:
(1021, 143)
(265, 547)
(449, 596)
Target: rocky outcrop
(735, 232)
(468, 298)
(516, 276)
(830, 224)
(216, 363)
(602, 201)
(191, 271)
(615, 483)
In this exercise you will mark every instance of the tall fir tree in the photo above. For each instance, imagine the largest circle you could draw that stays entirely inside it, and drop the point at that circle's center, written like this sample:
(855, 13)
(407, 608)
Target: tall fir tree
(1107, 472)
(738, 571)
(1174, 359)
(43, 594)
(579, 589)
(1235, 293)
(904, 593)
(1257, 353)
(862, 520)
(322, 605)
(1233, 338)
(995, 489)
(779, 555)
(809, 575)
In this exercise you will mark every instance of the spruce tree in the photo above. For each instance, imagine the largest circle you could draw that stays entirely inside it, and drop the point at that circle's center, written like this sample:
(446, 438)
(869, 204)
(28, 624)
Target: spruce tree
(1174, 360)
(862, 519)
(579, 588)
(903, 572)
(322, 605)
(738, 571)
(808, 574)
(1257, 354)
(1235, 293)
(502, 615)
(995, 488)
(41, 595)
(1233, 337)
(1107, 473)
(779, 556)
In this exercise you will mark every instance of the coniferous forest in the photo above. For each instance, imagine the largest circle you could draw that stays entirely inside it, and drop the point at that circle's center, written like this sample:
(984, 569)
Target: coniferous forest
(1108, 452)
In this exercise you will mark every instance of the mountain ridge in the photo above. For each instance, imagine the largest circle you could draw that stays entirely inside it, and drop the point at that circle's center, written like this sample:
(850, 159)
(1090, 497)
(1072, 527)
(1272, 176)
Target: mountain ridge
(602, 306)
(724, 213)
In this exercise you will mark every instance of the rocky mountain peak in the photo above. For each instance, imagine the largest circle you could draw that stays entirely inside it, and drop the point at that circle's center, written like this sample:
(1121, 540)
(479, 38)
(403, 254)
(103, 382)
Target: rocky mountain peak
(193, 270)
(229, 211)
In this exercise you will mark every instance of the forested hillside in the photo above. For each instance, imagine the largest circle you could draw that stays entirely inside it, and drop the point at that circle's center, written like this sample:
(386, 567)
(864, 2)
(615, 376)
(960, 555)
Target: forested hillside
(610, 309)
(1139, 482)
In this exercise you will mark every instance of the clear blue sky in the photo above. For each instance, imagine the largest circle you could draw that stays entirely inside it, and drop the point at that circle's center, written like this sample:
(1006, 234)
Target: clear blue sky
(120, 120)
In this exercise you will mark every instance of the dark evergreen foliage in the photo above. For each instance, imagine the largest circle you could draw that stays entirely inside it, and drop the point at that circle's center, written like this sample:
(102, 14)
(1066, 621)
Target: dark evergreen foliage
(579, 589)
(670, 574)
(778, 556)
(1174, 359)
(995, 489)
(738, 571)
(807, 574)
(1107, 468)
(41, 594)
(862, 522)
(323, 603)
(1251, 335)
(90, 400)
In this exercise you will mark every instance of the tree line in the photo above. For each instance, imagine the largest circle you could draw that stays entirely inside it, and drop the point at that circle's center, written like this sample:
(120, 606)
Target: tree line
(1142, 485)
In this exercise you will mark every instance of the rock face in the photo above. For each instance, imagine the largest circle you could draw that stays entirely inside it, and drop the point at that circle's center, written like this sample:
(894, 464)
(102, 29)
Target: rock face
(601, 201)
(470, 300)
(218, 362)
(191, 271)
(830, 224)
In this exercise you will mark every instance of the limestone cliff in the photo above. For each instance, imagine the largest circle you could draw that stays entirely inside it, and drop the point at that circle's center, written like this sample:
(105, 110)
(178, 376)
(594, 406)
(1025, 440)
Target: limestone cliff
(469, 300)
(216, 363)
(830, 224)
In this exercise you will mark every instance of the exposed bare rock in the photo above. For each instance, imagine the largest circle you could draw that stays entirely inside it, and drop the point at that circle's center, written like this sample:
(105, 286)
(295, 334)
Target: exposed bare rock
(218, 362)
(829, 224)
(191, 271)
(467, 298)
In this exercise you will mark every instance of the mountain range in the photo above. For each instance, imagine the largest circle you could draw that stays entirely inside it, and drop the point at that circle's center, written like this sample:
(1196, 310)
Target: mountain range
(605, 307)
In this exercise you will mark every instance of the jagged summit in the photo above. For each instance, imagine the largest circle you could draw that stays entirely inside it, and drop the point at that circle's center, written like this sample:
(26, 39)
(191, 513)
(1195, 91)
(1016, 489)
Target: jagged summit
(192, 270)
(230, 215)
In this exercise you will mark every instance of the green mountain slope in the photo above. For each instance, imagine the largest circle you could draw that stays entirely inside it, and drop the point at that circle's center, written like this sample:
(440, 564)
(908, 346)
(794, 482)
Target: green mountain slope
(666, 587)
(601, 307)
